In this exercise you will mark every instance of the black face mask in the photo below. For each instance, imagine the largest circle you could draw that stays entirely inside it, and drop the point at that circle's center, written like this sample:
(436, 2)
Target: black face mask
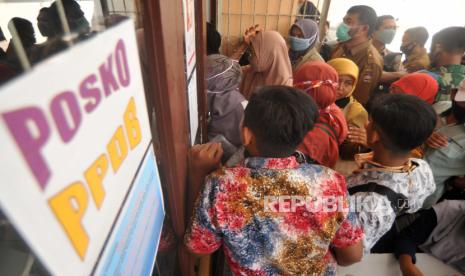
(458, 112)
(408, 48)
(341, 103)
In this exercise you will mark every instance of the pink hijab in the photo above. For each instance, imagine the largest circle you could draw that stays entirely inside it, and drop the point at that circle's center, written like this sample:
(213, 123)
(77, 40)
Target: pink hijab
(269, 66)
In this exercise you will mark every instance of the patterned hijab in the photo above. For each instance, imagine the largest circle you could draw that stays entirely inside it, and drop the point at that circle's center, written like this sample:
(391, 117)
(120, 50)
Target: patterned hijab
(319, 80)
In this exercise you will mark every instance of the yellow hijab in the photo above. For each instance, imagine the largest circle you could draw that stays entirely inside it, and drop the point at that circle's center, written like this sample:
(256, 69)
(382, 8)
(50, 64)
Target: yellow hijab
(354, 112)
(347, 67)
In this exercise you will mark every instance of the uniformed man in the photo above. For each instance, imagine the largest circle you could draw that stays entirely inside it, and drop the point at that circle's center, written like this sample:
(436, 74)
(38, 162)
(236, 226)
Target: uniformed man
(413, 46)
(355, 44)
(385, 31)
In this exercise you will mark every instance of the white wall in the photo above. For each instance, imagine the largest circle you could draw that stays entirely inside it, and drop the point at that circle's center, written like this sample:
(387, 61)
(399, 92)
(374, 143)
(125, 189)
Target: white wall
(433, 15)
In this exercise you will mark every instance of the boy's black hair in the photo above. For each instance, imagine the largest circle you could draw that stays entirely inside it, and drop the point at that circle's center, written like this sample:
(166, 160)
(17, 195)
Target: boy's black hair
(404, 122)
(452, 39)
(366, 16)
(213, 40)
(279, 117)
(381, 19)
(418, 34)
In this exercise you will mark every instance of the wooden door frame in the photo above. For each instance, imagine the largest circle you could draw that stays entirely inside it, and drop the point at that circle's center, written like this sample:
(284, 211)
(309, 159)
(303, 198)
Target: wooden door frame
(164, 37)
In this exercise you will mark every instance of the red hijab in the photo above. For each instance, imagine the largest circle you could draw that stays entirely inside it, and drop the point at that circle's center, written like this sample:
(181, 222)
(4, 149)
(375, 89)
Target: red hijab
(319, 80)
(421, 85)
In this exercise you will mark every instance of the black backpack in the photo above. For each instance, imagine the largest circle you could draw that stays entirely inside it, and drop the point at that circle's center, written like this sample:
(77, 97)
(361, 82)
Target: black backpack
(399, 202)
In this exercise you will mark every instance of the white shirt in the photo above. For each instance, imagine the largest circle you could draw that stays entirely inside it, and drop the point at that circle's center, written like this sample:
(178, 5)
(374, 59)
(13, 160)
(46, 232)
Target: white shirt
(374, 211)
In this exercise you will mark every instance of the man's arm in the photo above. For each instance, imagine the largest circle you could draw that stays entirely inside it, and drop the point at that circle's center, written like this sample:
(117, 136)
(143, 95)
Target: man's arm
(203, 159)
(407, 266)
(349, 255)
(202, 236)
(388, 77)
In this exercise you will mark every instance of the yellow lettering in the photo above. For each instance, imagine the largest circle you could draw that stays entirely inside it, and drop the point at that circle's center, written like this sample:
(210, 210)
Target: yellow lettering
(69, 207)
(132, 125)
(94, 176)
(117, 149)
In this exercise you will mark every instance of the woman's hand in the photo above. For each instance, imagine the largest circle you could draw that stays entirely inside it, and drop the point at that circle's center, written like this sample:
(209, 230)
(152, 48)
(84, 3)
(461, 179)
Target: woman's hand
(251, 32)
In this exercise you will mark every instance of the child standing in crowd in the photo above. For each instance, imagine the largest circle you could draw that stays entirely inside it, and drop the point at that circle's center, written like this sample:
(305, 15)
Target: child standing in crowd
(233, 209)
(321, 145)
(389, 183)
(354, 112)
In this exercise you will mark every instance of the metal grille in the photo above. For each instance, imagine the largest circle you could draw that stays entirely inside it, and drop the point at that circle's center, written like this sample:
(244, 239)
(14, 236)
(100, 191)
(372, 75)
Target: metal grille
(130, 8)
(234, 16)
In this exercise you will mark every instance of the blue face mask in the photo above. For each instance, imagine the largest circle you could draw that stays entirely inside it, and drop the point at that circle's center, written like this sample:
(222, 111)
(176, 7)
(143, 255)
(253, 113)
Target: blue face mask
(299, 44)
(342, 32)
(386, 36)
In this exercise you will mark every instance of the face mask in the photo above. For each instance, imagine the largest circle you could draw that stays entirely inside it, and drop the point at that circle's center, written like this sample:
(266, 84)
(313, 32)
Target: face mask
(300, 44)
(408, 48)
(342, 32)
(386, 36)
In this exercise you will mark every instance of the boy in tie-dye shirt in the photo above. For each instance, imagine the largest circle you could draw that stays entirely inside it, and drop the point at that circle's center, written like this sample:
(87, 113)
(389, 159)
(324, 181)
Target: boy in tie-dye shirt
(272, 215)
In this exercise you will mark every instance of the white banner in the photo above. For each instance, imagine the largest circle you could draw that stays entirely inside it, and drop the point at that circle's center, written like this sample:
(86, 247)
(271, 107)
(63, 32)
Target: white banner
(74, 132)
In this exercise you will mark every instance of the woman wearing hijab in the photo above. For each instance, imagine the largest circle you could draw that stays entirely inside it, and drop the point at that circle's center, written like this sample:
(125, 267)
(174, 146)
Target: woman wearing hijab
(225, 102)
(269, 63)
(354, 112)
(421, 85)
(321, 144)
(303, 39)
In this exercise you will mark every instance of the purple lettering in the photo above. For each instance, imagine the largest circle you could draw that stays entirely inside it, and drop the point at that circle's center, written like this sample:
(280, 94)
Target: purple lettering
(107, 77)
(88, 91)
(60, 103)
(30, 140)
(122, 63)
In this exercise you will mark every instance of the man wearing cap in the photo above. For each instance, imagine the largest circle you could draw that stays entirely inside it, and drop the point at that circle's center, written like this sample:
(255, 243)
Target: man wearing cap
(445, 151)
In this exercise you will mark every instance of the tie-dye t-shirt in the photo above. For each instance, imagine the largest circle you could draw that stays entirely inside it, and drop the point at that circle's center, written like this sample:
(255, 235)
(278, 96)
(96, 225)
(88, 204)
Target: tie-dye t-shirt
(264, 213)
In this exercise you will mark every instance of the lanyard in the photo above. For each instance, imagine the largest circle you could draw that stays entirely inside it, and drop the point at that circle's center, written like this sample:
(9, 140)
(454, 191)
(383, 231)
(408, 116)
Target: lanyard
(367, 158)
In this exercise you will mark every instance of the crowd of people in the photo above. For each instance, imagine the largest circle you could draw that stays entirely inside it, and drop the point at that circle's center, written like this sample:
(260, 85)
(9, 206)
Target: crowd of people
(50, 27)
(284, 124)
(319, 152)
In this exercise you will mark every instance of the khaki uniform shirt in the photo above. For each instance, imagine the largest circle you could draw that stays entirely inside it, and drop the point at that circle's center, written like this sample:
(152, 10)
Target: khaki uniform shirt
(418, 60)
(312, 55)
(370, 64)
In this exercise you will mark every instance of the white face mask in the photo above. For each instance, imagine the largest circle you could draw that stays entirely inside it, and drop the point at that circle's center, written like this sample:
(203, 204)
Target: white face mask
(219, 74)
